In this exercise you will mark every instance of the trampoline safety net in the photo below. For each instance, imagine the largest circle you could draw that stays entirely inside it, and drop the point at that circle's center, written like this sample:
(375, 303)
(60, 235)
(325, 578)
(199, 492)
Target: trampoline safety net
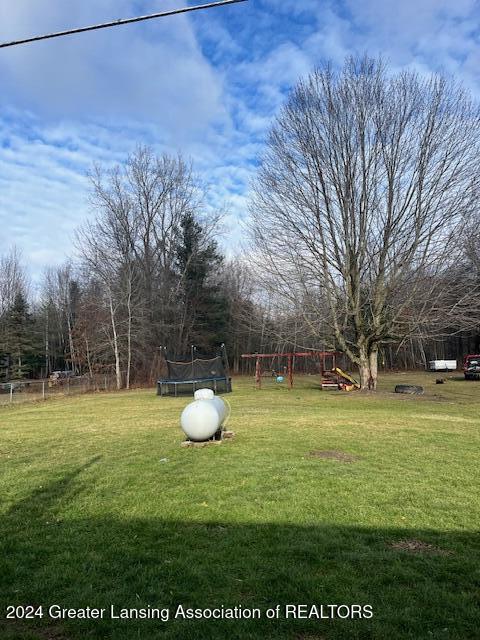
(196, 370)
(186, 377)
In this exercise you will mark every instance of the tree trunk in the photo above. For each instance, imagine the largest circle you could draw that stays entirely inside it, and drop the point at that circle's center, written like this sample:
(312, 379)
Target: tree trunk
(364, 373)
(118, 371)
(71, 346)
(368, 369)
(373, 360)
(87, 351)
(47, 346)
(129, 332)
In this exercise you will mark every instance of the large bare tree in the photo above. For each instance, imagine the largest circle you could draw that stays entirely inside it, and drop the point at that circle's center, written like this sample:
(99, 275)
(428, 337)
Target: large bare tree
(365, 182)
(131, 248)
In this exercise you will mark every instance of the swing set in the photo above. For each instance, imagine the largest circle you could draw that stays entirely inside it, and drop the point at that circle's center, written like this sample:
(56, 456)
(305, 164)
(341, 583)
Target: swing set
(331, 376)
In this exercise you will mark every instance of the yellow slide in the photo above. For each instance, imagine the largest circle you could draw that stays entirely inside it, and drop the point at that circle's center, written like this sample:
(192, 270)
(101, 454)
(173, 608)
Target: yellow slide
(347, 377)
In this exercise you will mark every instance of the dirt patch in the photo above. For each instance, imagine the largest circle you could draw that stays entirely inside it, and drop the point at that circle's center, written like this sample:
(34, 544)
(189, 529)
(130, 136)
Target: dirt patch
(339, 456)
(227, 435)
(429, 397)
(417, 546)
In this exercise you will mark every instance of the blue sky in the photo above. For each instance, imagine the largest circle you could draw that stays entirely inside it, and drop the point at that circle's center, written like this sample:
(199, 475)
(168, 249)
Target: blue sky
(205, 84)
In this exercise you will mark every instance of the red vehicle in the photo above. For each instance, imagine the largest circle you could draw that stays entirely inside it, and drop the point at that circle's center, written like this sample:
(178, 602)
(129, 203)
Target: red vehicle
(471, 367)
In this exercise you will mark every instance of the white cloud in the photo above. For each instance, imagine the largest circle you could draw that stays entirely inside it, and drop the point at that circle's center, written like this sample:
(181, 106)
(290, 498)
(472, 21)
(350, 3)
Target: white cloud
(430, 35)
(207, 86)
(155, 72)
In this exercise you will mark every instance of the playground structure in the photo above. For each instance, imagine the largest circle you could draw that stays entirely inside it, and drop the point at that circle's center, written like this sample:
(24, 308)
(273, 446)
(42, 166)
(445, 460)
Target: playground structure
(332, 377)
(186, 376)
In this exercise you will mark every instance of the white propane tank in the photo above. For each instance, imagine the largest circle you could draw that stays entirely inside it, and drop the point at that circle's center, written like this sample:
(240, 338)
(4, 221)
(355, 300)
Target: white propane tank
(221, 407)
(204, 394)
(201, 419)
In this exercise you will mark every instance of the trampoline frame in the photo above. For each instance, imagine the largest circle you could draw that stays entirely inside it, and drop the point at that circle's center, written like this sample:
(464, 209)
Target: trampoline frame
(199, 383)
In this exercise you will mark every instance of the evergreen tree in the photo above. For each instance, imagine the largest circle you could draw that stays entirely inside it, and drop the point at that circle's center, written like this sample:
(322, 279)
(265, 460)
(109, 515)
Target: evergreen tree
(205, 315)
(19, 337)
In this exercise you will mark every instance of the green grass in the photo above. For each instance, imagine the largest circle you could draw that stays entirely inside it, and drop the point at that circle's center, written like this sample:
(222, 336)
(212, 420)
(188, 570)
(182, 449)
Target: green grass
(92, 516)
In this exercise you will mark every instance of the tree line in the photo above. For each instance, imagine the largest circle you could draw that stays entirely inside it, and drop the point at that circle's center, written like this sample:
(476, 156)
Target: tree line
(148, 274)
(362, 237)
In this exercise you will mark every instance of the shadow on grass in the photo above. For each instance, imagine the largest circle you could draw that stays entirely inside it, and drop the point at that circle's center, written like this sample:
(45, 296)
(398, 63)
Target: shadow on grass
(133, 563)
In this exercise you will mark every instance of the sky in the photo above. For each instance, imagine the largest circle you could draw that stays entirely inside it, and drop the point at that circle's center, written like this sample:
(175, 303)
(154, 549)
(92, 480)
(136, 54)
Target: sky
(206, 84)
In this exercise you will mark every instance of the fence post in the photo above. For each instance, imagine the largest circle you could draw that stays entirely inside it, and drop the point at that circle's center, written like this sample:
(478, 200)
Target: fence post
(11, 393)
(105, 383)
(43, 390)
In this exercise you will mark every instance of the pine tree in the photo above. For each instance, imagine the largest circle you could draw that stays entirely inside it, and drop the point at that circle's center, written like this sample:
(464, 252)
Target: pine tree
(205, 307)
(19, 341)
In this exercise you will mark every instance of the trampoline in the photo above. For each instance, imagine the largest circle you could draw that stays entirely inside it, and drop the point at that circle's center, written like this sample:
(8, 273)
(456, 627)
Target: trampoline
(184, 378)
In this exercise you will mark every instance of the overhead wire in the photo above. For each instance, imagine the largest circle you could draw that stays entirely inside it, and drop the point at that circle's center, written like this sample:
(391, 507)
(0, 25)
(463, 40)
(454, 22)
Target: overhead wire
(116, 23)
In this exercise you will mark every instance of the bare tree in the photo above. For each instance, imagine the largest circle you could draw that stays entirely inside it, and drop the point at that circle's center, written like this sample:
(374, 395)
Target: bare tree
(365, 182)
(131, 248)
(106, 265)
(59, 298)
(13, 279)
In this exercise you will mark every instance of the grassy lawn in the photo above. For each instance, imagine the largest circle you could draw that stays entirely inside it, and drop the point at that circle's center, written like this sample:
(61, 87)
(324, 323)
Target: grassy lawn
(101, 506)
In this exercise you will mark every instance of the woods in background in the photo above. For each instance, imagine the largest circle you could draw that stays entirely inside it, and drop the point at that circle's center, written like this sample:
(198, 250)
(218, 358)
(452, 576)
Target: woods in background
(149, 273)
(364, 238)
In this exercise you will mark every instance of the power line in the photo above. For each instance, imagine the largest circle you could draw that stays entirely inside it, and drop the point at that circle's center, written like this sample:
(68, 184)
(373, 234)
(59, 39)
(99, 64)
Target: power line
(115, 23)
